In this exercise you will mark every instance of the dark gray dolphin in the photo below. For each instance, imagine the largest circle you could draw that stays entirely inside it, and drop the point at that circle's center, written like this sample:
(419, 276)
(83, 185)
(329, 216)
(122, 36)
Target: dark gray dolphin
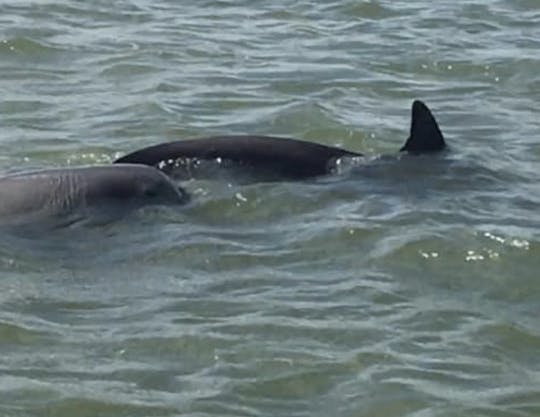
(287, 158)
(70, 194)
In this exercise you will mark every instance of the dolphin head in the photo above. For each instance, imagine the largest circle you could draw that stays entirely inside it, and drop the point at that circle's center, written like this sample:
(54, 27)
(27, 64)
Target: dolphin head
(132, 184)
(95, 192)
(160, 190)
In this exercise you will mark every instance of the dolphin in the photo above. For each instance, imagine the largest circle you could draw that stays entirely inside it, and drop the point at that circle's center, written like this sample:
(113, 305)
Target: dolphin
(288, 158)
(68, 195)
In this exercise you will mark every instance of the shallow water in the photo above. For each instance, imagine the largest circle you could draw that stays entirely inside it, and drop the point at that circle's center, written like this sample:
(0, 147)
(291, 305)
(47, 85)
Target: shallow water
(403, 287)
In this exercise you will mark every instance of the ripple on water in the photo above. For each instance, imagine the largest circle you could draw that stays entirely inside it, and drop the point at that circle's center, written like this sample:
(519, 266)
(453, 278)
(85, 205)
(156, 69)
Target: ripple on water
(12, 334)
(19, 48)
(398, 287)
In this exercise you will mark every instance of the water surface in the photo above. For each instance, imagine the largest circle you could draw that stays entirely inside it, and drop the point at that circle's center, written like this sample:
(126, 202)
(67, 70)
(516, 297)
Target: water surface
(402, 288)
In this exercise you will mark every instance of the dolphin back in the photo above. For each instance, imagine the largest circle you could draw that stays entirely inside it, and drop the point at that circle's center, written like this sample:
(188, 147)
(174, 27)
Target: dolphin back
(291, 158)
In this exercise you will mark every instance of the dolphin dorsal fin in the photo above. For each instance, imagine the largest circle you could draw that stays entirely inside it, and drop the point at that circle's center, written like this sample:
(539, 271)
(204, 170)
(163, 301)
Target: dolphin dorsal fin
(425, 135)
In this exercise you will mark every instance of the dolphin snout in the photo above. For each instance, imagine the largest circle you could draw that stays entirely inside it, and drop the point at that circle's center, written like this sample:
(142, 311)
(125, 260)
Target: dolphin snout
(185, 197)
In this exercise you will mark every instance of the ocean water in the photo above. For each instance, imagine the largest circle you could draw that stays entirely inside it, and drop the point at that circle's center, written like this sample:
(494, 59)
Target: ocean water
(408, 286)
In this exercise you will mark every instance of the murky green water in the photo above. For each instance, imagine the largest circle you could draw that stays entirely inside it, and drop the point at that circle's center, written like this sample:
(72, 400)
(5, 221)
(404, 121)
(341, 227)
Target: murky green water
(406, 288)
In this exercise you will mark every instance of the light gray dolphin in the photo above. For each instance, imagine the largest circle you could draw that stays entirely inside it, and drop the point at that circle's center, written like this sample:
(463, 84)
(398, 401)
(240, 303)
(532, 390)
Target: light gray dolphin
(67, 195)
